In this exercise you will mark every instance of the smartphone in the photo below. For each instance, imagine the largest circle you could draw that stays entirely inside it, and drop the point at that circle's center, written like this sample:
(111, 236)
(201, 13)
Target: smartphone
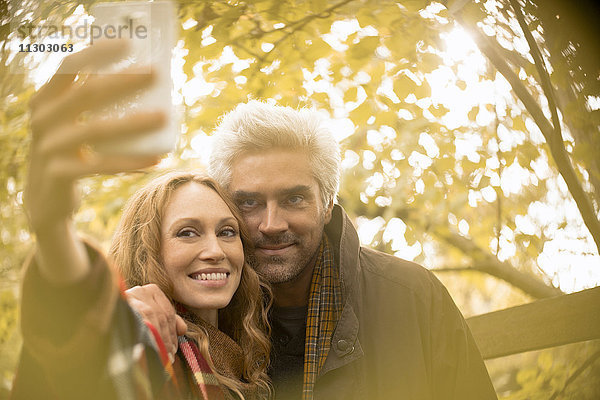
(150, 28)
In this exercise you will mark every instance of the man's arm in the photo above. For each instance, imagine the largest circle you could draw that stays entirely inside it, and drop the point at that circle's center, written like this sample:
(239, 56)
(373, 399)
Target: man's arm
(156, 309)
(458, 368)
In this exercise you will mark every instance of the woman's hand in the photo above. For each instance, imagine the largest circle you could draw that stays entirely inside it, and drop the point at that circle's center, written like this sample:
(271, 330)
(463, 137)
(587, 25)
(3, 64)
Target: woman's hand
(62, 149)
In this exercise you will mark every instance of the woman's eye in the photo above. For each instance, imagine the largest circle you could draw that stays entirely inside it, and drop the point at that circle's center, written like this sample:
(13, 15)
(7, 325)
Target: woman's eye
(228, 232)
(186, 233)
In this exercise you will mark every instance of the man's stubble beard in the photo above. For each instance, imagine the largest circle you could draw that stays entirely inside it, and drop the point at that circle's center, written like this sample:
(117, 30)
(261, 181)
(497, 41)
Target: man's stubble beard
(276, 269)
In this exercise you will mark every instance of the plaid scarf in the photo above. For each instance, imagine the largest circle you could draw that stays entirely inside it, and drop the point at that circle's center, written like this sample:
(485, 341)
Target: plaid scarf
(324, 309)
(138, 378)
(203, 375)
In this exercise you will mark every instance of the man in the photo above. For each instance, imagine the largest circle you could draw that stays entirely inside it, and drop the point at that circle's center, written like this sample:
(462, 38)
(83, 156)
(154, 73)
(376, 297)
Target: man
(348, 322)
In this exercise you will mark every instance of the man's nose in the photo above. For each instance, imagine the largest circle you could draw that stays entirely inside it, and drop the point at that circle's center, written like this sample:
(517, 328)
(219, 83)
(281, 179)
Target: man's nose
(211, 250)
(273, 221)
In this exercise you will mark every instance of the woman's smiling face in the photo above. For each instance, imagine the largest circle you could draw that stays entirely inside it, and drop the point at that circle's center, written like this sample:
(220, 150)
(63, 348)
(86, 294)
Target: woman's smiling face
(201, 249)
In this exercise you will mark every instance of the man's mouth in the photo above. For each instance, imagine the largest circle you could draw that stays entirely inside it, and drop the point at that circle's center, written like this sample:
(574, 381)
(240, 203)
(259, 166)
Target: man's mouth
(274, 250)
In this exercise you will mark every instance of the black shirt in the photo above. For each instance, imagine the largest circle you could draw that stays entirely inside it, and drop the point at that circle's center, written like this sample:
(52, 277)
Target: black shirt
(287, 355)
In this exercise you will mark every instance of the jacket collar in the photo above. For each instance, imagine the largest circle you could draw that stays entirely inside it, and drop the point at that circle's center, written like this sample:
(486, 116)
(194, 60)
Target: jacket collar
(346, 247)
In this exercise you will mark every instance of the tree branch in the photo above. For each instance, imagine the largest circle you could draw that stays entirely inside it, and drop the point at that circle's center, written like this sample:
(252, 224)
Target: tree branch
(557, 149)
(454, 269)
(296, 25)
(499, 193)
(540, 66)
(584, 131)
(513, 57)
(483, 261)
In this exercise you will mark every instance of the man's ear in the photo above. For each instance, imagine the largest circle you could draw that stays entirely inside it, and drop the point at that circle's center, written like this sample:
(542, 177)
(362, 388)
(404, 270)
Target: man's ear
(328, 212)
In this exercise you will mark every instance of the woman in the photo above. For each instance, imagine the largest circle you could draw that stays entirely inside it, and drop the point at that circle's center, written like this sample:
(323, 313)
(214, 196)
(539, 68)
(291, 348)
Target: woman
(183, 233)
(80, 337)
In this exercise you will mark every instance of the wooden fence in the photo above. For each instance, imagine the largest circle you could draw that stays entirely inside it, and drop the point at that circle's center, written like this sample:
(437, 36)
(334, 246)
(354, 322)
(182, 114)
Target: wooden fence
(538, 325)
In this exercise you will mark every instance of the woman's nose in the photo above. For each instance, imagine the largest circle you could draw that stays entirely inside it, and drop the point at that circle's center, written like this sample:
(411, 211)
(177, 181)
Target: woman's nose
(211, 250)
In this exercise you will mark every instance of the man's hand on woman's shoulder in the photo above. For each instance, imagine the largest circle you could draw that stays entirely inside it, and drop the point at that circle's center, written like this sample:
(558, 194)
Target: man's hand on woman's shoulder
(156, 309)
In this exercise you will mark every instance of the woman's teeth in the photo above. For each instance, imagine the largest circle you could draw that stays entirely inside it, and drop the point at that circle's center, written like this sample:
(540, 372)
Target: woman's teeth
(214, 276)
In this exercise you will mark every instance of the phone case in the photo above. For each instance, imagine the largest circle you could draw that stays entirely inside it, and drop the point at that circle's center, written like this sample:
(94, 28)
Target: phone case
(150, 28)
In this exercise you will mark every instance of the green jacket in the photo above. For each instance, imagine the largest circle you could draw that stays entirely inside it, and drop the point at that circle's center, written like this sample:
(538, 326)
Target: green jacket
(400, 335)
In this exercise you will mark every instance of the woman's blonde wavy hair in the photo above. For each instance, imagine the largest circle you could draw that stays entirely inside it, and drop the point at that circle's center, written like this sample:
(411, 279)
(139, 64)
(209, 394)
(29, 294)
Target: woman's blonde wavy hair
(135, 251)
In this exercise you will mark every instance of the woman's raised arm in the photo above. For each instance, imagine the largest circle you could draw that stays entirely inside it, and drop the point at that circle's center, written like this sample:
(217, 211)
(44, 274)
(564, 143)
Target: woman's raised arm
(65, 127)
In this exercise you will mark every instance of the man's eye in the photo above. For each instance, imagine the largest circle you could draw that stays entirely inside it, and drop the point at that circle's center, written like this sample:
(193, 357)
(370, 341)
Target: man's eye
(228, 232)
(295, 199)
(247, 203)
(186, 233)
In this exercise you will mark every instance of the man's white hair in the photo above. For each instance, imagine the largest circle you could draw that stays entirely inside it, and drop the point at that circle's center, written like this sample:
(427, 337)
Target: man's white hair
(259, 126)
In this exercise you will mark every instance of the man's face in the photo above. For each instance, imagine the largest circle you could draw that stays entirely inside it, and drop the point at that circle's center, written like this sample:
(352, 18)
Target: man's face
(281, 204)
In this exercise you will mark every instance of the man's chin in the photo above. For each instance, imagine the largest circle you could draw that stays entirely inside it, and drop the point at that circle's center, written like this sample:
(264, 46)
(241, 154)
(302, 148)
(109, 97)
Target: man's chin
(276, 273)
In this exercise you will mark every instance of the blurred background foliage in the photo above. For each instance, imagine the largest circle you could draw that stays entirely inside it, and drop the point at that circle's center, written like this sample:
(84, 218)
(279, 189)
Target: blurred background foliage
(470, 136)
